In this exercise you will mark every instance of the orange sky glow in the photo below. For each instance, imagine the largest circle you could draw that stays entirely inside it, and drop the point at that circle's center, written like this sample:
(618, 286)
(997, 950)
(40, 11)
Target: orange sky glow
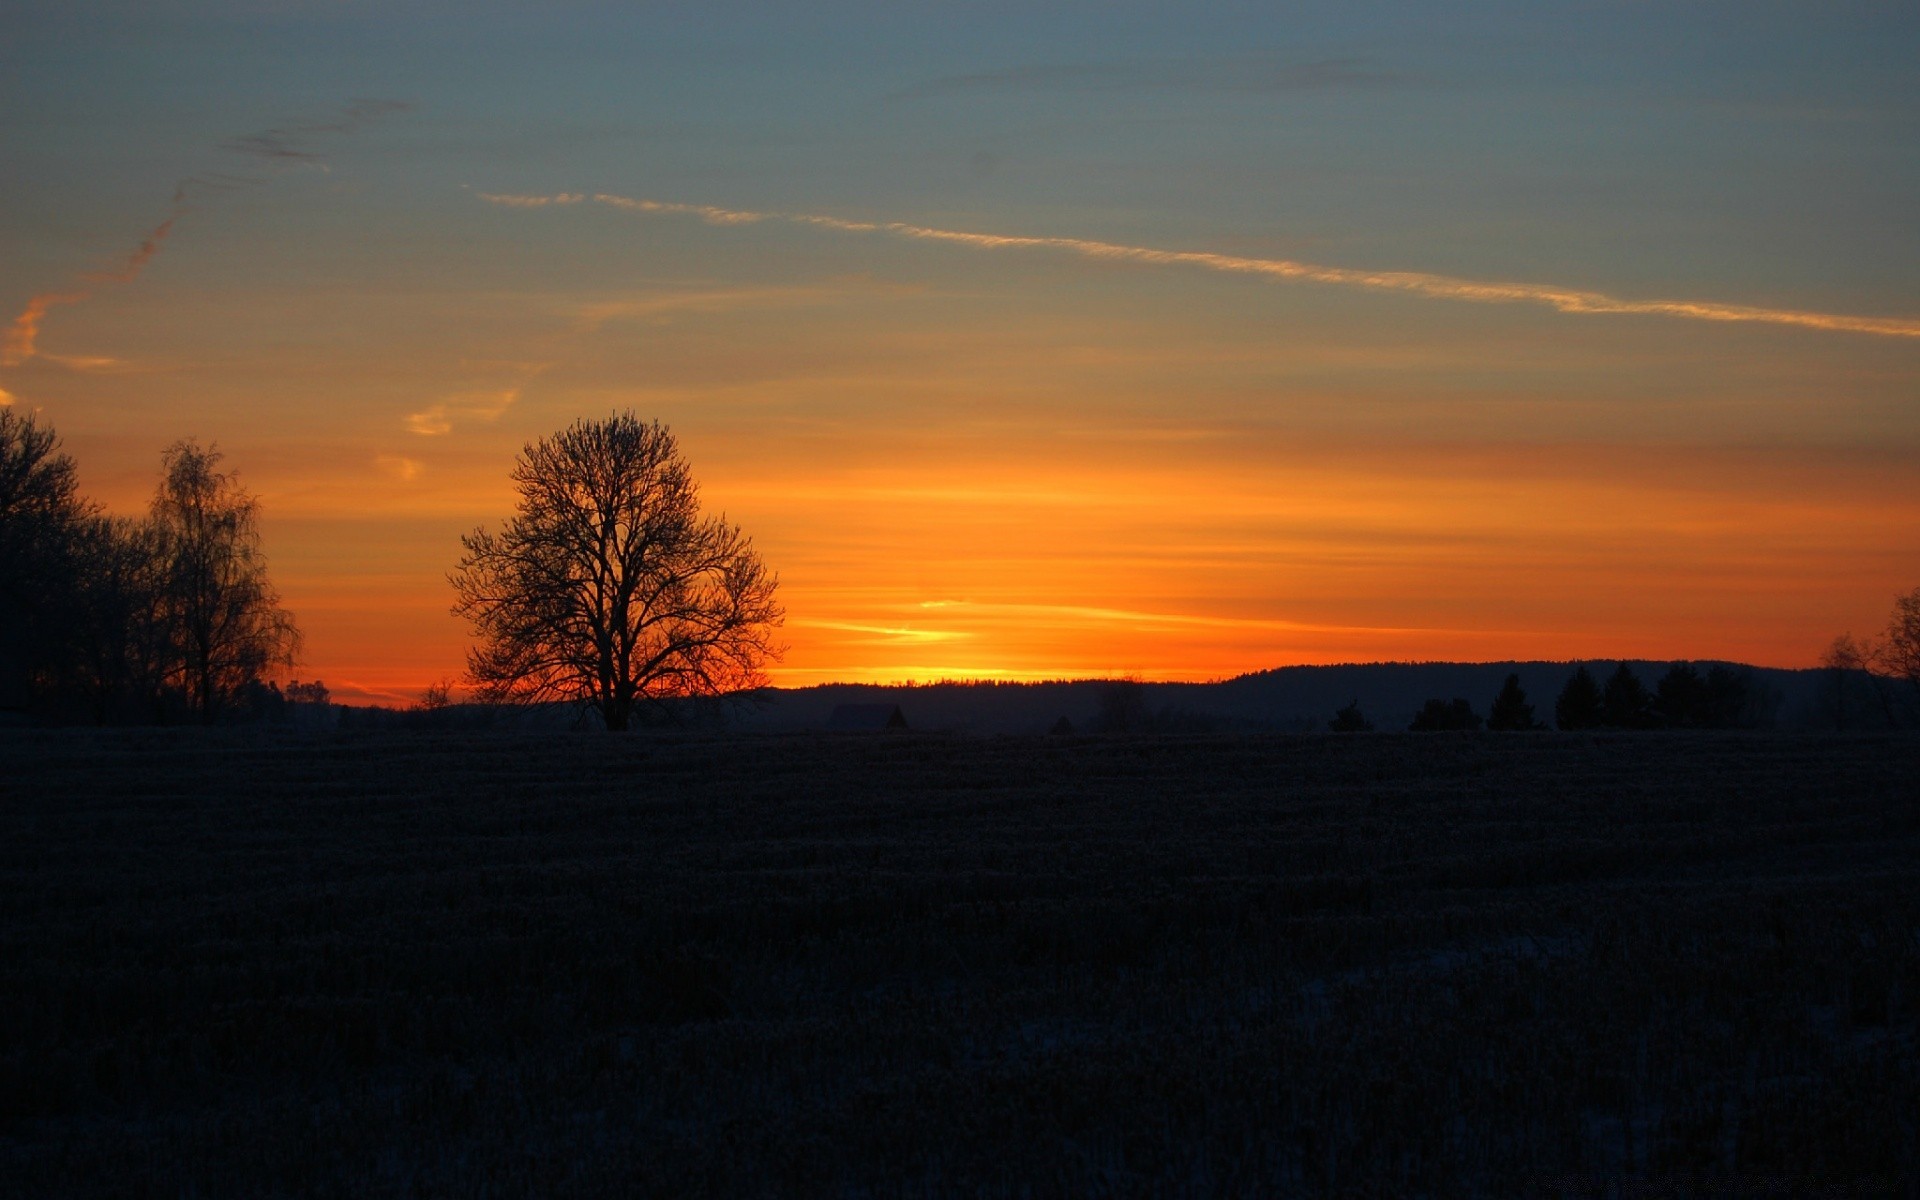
(1021, 379)
(1004, 487)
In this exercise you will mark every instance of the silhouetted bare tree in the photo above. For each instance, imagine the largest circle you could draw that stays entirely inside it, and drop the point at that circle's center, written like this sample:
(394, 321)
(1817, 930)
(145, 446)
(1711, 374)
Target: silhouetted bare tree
(227, 626)
(608, 588)
(1845, 661)
(437, 697)
(123, 648)
(118, 618)
(40, 511)
(1899, 650)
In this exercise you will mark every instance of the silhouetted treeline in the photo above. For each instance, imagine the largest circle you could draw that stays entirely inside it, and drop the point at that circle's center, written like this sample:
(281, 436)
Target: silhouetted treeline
(442, 718)
(1124, 709)
(168, 617)
(1281, 700)
(1438, 715)
(1723, 697)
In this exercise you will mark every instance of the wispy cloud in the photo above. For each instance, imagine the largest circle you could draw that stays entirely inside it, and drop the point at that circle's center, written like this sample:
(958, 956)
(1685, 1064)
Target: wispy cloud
(6, 398)
(887, 634)
(439, 419)
(1246, 74)
(595, 315)
(1415, 283)
(1077, 612)
(277, 145)
(24, 334)
(398, 466)
(290, 142)
(101, 364)
(504, 201)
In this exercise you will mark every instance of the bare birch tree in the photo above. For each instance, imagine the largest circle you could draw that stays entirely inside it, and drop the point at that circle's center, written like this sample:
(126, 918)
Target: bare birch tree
(227, 626)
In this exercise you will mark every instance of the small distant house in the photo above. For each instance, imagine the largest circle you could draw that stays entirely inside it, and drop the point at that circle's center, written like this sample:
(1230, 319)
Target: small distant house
(866, 718)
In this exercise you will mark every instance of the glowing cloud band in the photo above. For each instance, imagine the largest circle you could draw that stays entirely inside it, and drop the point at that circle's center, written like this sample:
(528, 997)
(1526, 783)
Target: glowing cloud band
(1438, 287)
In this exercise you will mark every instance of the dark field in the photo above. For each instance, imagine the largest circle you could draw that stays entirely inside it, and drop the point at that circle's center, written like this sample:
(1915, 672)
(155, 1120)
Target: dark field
(408, 964)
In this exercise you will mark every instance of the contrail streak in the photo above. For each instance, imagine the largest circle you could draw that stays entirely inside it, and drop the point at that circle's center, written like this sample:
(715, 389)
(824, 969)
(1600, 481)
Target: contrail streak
(23, 336)
(269, 146)
(1416, 283)
(136, 262)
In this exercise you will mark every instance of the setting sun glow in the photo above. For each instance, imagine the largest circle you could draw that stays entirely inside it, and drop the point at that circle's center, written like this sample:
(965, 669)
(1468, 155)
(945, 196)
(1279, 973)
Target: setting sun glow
(1160, 357)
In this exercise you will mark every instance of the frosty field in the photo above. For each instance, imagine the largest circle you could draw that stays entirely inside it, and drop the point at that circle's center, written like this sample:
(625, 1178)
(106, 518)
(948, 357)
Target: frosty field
(235, 964)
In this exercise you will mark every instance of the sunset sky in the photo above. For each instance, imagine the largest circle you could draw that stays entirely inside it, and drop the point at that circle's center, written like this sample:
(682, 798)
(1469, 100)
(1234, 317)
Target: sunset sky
(1104, 339)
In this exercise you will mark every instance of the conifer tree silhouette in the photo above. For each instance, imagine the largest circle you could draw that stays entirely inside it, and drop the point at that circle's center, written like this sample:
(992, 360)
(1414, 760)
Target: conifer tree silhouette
(1579, 704)
(1624, 702)
(1510, 709)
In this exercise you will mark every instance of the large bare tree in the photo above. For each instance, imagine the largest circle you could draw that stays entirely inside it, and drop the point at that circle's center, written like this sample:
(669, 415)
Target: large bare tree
(608, 588)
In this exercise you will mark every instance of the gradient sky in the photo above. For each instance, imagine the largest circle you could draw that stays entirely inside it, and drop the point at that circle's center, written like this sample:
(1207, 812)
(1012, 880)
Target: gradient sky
(1241, 398)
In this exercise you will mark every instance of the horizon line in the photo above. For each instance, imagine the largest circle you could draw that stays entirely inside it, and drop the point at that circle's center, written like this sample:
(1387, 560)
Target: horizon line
(1052, 680)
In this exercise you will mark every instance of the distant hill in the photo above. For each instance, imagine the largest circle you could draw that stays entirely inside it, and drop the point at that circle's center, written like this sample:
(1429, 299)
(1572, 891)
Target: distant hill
(1299, 699)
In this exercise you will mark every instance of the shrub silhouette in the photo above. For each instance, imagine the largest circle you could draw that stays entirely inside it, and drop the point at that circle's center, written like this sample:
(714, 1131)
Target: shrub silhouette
(1350, 720)
(1438, 715)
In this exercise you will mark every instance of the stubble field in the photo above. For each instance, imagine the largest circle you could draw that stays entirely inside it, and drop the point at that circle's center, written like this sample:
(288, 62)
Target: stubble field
(236, 964)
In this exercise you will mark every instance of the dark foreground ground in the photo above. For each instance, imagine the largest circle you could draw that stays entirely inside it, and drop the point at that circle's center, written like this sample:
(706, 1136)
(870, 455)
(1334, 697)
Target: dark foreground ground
(407, 964)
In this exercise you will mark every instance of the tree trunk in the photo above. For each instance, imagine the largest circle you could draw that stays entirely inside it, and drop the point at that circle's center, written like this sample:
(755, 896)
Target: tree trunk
(206, 692)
